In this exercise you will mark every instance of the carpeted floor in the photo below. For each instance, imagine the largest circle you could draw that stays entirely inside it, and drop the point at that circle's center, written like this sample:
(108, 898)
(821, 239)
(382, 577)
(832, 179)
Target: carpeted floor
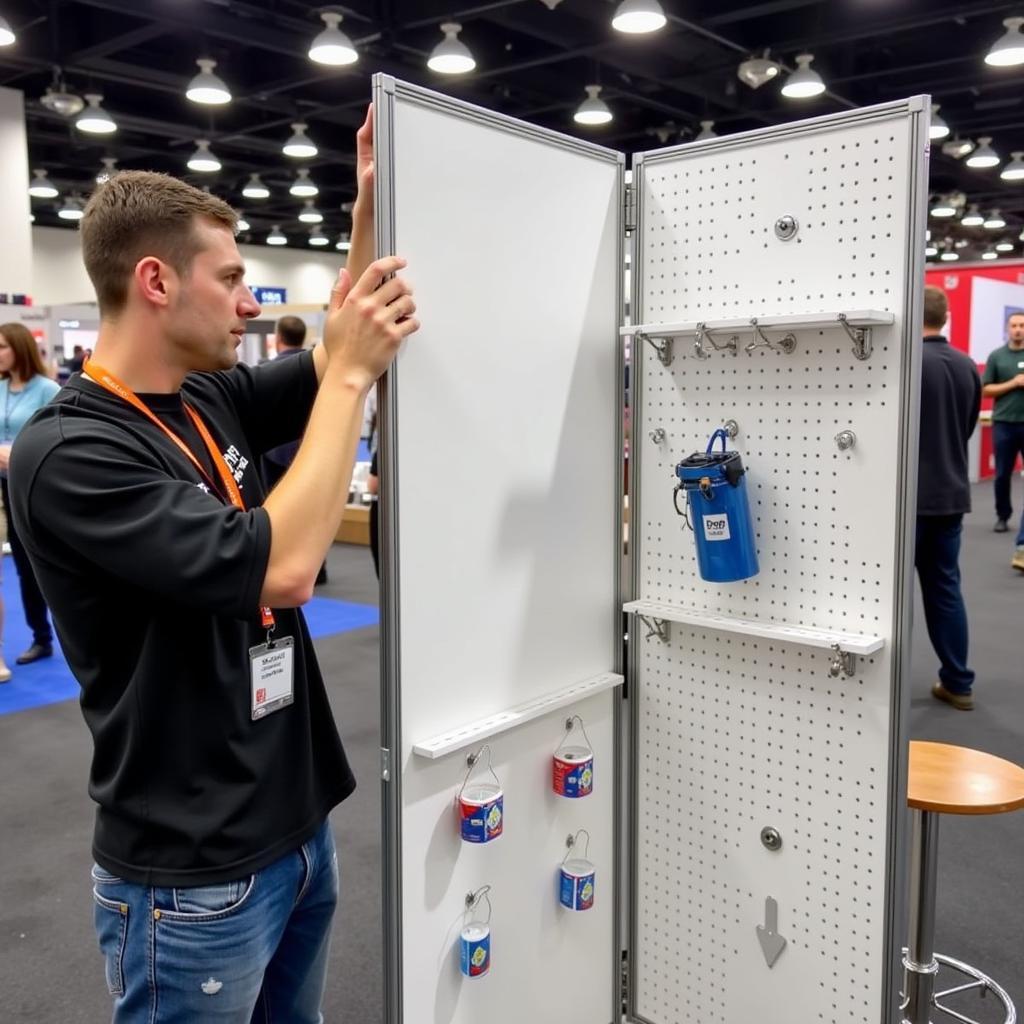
(49, 968)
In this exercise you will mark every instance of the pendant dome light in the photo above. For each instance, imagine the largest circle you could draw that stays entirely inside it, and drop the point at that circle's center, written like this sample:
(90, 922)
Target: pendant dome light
(242, 224)
(451, 56)
(707, 131)
(40, 187)
(938, 129)
(275, 237)
(73, 208)
(255, 189)
(972, 218)
(957, 148)
(943, 207)
(109, 167)
(303, 186)
(206, 87)
(995, 221)
(984, 156)
(1014, 170)
(317, 237)
(593, 110)
(310, 214)
(300, 145)
(94, 119)
(1008, 50)
(638, 17)
(203, 159)
(332, 46)
(805, 82)
(1004, 246)
(344, 242)
(7, 36)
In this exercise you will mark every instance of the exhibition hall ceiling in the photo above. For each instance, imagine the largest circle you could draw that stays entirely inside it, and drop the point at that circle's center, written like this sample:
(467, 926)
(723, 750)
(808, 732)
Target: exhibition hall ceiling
(534, 59)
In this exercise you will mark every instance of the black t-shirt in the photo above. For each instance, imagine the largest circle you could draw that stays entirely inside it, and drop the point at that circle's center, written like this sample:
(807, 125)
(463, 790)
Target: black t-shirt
(154, 584)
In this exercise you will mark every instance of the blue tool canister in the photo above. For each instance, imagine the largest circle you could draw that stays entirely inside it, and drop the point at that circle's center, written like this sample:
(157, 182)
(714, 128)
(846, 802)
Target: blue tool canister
(719, 512)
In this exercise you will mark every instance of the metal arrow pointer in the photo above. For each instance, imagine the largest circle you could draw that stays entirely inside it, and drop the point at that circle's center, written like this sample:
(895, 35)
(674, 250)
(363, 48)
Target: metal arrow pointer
(772, 943)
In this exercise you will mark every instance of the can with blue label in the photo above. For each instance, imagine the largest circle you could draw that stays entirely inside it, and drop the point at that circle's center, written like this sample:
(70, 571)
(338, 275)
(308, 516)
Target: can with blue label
(475, 949)
(718, 512)
(572, 768)
(481, 804)
(576, 875)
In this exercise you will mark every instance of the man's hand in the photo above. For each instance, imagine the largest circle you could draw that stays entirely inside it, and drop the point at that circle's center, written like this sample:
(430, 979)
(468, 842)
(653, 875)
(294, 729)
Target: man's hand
(368, 321)
(1019, 380)
(5, 455)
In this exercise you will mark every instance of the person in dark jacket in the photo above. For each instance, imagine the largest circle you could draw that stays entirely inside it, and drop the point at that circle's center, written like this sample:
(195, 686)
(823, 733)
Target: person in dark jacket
(950, 403)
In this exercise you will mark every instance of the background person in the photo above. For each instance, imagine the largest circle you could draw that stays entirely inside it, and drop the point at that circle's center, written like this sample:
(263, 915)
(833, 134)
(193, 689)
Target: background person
(1003, 380)
(24, 388)
(951, 398)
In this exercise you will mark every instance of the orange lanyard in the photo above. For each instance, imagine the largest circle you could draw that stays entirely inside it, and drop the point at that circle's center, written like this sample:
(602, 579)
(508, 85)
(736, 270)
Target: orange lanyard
(109, 382)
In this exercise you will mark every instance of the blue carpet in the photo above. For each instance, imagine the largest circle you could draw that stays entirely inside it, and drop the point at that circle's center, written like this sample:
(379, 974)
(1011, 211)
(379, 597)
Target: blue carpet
(50, 681)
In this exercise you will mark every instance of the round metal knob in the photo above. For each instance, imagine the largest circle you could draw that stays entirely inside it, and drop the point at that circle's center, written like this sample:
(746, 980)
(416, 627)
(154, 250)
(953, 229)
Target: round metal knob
(771, 839)
(845, 440)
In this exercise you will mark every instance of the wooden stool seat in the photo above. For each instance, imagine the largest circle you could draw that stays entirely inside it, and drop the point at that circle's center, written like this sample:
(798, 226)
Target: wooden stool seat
(947, 779)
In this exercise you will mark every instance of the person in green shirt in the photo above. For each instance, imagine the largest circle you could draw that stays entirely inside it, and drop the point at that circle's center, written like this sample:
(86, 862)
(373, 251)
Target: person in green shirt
(1003, 380)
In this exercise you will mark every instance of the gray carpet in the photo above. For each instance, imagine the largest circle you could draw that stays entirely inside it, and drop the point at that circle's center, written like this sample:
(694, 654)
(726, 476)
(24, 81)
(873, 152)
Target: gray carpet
(49, 968)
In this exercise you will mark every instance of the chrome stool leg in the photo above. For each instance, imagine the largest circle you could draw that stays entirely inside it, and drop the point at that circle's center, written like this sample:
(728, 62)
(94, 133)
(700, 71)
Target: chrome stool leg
(920, 963)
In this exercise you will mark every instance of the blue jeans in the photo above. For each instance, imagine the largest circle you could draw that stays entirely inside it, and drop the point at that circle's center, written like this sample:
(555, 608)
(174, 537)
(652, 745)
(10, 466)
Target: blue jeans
(937, 558)
(253, 950)
(1008, 442)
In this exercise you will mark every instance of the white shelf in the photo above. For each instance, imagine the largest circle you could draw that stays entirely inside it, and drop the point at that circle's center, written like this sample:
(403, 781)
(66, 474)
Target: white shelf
(850, 643)
(793, 321)
(482, 729)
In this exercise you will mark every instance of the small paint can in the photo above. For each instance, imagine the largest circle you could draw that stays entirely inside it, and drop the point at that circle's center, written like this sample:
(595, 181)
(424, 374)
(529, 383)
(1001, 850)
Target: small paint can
(481, 812)
(475, 949)
(576, 884)
(572, 765)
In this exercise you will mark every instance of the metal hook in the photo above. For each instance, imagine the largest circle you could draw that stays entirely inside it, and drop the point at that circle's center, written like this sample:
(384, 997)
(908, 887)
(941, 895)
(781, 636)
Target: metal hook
(726, 346)
(698, 344)
(842, 662)
(786, 344)
(474, 898)
(662, 348)
(860, 336)
(569, 724)
(571, 841)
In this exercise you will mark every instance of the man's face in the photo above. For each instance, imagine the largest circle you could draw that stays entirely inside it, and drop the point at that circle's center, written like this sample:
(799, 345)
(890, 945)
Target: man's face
(1015, 329)
(210, 305)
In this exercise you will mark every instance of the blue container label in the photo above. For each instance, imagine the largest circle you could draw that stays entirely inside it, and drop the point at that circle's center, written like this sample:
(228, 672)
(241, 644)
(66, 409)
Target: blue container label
(475, 951)
(576, 890)
(573, 774)
(480, 823)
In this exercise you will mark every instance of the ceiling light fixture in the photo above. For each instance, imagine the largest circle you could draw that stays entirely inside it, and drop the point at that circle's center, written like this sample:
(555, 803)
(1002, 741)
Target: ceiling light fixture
(7, 36)
(593, 110)
(1014, 170)
(275, 237)
(1008, 49)
(757, 71)
(1004, 246)
(317, 237)
(94, 119)
(990, 254)
(300, 145)
(805, 82)
(451, 56)
(40, 187)
(109, 166)
(310, 214)
(255, 189)
(639, 16)
(344, 242)
(931, 251)
(332, 46)
(995, 221)
(203, 160)
(242, 224)
(984, 156)
(949, 256)
(73, 209)
(303, 186)
(706, 131)
(938, 129)
(957, 148)
(972, 218)
(58, 99)
(207, 87)
(943, 207)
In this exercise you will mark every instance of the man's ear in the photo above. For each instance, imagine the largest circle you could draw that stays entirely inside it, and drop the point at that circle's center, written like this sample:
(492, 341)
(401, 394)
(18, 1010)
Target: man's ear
(152, 280)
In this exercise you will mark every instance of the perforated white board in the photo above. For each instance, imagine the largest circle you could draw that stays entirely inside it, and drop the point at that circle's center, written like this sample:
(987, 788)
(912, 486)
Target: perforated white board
(504, 441)
(737, 734)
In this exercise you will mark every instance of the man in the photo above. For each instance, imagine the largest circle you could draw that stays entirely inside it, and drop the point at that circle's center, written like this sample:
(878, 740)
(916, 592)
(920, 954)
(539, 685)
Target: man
(77, 359)
(1004, 381)
(951, 397)
(175, 587)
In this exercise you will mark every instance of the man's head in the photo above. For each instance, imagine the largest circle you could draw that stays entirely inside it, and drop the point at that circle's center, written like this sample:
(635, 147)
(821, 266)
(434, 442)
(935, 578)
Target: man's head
(158, 248)
(291, 332)
(936, 308)
(1015, 329)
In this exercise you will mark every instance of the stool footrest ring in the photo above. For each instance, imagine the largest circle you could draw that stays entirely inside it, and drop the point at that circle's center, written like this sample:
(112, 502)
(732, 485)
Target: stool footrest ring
(979, 981)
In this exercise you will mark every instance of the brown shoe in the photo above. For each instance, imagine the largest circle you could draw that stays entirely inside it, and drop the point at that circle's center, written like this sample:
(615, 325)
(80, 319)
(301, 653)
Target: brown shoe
(1018, 559)
(961, 701)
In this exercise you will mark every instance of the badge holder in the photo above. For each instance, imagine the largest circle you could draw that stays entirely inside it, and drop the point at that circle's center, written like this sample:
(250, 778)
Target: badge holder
(475, 938)
(272, 671)
(573, 763)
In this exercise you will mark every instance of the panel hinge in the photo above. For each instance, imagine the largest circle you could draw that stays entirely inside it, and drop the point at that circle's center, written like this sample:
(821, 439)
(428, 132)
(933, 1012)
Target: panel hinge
(385, 764)
(624, 983)
(629, 208)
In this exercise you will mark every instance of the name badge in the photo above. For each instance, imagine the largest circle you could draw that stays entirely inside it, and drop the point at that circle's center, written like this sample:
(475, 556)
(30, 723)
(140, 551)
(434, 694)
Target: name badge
(273, 676)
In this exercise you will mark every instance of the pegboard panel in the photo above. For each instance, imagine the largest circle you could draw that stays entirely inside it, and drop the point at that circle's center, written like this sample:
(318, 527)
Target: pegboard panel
(734, 734)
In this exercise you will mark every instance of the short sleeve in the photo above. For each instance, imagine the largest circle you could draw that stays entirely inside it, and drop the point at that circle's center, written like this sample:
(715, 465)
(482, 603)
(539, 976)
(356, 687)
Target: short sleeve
(990, 376)
(136, 523)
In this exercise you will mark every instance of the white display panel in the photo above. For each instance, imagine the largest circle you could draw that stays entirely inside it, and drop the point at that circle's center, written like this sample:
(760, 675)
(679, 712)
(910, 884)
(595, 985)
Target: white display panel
(501, 452)
(737, 733)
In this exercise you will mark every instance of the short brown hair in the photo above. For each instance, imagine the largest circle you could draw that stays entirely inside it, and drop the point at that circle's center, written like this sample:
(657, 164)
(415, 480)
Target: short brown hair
(27, 361)
(290, 330)
(936, 307)
(135, 214)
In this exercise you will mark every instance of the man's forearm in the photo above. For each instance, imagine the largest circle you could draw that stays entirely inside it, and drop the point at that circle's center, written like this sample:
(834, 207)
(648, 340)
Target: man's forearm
(306, 507)
(364, 242)
(995, 390)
